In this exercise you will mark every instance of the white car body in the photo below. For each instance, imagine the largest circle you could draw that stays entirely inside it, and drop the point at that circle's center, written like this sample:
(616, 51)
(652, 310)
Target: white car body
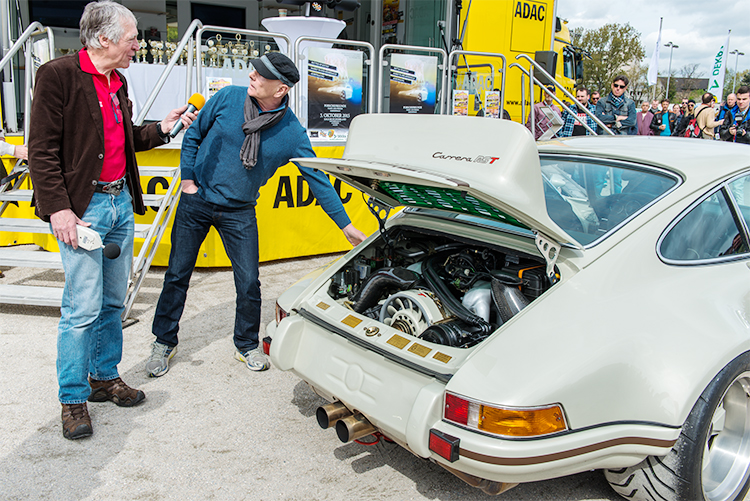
(625, 341)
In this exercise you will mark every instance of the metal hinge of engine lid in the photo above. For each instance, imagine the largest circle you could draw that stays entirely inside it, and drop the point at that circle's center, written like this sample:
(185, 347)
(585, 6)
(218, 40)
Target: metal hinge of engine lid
(549, 249)
(381, 211)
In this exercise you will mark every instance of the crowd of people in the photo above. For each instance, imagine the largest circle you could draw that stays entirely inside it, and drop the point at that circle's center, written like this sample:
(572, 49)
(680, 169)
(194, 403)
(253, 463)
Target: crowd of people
(727, 121)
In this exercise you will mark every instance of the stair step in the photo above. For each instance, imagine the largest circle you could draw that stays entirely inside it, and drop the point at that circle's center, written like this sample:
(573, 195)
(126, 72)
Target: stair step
(157, 171)
(25, 196)
(29, 259)
(16, 196)
(23, 225)
(29, 294)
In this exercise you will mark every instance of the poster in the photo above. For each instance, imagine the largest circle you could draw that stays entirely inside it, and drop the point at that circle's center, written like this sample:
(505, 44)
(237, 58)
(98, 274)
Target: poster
(392, 17)
(413, 83)
(461, 102)
(215, 84)
(492, 104)
(334, 92)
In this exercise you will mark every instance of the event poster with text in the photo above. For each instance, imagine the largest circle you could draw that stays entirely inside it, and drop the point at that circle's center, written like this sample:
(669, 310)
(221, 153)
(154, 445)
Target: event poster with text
(413, 83)
(334, 87)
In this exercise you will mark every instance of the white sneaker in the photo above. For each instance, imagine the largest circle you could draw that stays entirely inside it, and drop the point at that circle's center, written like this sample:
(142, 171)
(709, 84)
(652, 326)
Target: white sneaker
(158, 362)
(255, 359)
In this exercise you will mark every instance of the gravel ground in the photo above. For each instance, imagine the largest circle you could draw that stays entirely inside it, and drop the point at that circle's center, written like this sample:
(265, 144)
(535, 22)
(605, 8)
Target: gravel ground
(209, 429)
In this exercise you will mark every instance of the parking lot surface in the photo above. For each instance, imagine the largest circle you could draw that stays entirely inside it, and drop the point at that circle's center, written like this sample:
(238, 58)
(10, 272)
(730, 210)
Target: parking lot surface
(209, 428)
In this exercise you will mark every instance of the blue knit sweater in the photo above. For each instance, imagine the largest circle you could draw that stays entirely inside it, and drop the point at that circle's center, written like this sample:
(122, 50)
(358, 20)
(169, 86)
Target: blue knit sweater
(211, 156)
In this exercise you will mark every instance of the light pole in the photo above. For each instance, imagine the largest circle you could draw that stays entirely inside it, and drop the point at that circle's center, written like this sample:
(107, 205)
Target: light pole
(669, 71)
(736, 51)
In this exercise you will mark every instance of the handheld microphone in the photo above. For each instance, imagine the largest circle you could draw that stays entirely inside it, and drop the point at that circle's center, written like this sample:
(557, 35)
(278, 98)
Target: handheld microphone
(89, 240)
(195, 102)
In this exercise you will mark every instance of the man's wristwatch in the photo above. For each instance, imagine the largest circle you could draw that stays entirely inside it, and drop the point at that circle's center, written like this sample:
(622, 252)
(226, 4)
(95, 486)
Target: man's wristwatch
(163, 135)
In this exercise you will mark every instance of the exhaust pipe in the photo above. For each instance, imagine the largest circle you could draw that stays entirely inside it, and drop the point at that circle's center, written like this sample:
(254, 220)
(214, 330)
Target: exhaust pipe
(329, 414)
(353, 427)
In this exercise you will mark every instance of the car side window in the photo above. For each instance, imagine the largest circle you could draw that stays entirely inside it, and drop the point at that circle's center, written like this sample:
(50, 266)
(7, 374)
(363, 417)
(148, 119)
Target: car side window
(589, 200)
(737, 188)
(708, 231)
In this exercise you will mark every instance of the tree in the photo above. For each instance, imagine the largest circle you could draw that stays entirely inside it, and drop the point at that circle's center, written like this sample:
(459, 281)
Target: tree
(638, 88)
(613, 47)
(743, 78)
(691, 71)
(576, 35)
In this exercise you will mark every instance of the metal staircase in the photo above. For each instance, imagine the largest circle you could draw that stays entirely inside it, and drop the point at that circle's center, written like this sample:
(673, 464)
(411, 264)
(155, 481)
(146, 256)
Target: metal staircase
(151, 235)
(16, 189)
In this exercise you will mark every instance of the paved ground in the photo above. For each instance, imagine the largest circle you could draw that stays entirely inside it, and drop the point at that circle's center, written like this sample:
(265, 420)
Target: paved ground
(209, 429)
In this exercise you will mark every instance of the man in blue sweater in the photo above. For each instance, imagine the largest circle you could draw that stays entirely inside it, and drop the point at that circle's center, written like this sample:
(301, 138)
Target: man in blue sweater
(241, 137)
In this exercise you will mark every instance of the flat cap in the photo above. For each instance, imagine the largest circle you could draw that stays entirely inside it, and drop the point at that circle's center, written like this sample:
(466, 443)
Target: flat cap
(277, 66)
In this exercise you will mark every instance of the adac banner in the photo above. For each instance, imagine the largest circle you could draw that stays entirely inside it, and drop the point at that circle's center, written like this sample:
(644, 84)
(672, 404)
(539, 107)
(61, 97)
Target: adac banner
(291, 223)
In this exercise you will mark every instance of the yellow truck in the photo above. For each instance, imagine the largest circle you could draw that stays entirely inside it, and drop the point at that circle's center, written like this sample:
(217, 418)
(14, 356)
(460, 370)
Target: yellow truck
(512, 27)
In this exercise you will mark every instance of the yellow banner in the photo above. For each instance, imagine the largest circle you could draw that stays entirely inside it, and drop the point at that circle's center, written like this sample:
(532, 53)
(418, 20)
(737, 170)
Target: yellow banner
(290, 222)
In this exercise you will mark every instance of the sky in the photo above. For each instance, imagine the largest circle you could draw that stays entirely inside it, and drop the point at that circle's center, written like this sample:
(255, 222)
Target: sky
(698, 27)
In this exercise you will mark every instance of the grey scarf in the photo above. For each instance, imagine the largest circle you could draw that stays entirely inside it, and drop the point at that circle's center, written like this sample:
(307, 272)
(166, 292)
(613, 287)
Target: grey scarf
(254, 123)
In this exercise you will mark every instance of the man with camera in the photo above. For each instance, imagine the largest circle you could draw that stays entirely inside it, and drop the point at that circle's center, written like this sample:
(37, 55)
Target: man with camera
(735, 128)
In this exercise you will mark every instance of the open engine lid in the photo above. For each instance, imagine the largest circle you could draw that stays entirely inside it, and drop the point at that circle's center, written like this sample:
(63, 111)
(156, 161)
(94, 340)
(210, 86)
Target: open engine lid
(483, 167)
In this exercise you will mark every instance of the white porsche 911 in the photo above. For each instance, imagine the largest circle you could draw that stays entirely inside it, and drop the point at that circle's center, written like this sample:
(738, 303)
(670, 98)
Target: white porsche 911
(536, 311)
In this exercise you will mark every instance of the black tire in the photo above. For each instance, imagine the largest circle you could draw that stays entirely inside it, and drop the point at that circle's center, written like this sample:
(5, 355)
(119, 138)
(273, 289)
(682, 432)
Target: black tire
(719, 424)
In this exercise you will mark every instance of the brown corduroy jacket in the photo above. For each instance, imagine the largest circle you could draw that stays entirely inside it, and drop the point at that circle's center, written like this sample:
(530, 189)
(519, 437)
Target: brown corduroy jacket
(66, 139)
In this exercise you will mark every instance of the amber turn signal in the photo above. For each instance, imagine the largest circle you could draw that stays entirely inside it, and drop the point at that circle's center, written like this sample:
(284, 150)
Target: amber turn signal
(521, 422)
(504, 421)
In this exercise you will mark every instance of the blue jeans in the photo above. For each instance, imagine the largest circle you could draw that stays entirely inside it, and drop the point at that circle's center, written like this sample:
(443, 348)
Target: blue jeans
(239, 233)
(89, 339)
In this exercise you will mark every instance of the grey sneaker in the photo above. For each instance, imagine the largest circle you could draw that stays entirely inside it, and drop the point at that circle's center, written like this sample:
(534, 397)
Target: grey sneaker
(158, 362)
(255, 359)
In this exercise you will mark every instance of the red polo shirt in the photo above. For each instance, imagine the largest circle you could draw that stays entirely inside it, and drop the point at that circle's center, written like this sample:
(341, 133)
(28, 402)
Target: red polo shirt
(114, 130)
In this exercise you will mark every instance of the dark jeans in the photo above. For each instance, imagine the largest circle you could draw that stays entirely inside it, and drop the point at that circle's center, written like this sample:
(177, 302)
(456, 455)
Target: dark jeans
(239, 233)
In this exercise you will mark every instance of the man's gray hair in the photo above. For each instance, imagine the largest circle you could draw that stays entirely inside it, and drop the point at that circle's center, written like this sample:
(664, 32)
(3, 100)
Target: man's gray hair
(103, 18)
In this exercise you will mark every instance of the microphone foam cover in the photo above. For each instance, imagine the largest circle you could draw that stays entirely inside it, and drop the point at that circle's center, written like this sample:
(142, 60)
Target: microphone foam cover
(111, 251)
(197, 100)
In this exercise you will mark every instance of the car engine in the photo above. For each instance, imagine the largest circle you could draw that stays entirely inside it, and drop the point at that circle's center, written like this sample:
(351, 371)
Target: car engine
(439, 289)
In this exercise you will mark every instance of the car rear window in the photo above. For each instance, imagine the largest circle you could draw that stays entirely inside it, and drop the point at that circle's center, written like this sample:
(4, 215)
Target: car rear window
(589, 199)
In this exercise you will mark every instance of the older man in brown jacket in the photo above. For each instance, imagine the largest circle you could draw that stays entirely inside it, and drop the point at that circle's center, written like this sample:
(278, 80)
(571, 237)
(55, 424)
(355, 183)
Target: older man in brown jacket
(82, 148)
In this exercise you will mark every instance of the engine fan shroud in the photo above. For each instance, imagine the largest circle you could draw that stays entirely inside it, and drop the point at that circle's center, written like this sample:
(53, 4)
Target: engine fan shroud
(411, 311)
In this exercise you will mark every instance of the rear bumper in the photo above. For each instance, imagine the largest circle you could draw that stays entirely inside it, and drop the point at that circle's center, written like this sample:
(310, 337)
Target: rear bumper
(405, 404)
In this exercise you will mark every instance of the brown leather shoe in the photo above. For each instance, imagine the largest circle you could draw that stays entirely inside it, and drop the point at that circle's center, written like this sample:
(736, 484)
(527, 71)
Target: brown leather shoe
(115, 390)
(76, 422)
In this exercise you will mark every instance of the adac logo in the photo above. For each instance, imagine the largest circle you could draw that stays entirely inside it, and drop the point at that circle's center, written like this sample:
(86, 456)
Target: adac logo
(481, 159)
(530, 10)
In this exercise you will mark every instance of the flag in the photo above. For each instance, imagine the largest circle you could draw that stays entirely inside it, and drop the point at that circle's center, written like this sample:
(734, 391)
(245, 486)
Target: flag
(653, 68)
(716, 82)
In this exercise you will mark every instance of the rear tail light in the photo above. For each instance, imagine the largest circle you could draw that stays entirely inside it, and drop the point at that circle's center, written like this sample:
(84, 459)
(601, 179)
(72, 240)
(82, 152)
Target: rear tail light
(267, 345)
(444, 445)
(457, 409)
(504, 421)
(281, 313)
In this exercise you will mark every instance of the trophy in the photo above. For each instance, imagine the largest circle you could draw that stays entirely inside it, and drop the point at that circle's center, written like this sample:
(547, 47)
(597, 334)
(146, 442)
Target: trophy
(160, 51)
(154, 51)
(244, 53)
(212, 52)
(170, 50)
(140, 54)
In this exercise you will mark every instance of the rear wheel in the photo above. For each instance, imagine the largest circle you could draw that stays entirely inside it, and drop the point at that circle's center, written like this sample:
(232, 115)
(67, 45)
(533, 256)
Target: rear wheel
(711, 459)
